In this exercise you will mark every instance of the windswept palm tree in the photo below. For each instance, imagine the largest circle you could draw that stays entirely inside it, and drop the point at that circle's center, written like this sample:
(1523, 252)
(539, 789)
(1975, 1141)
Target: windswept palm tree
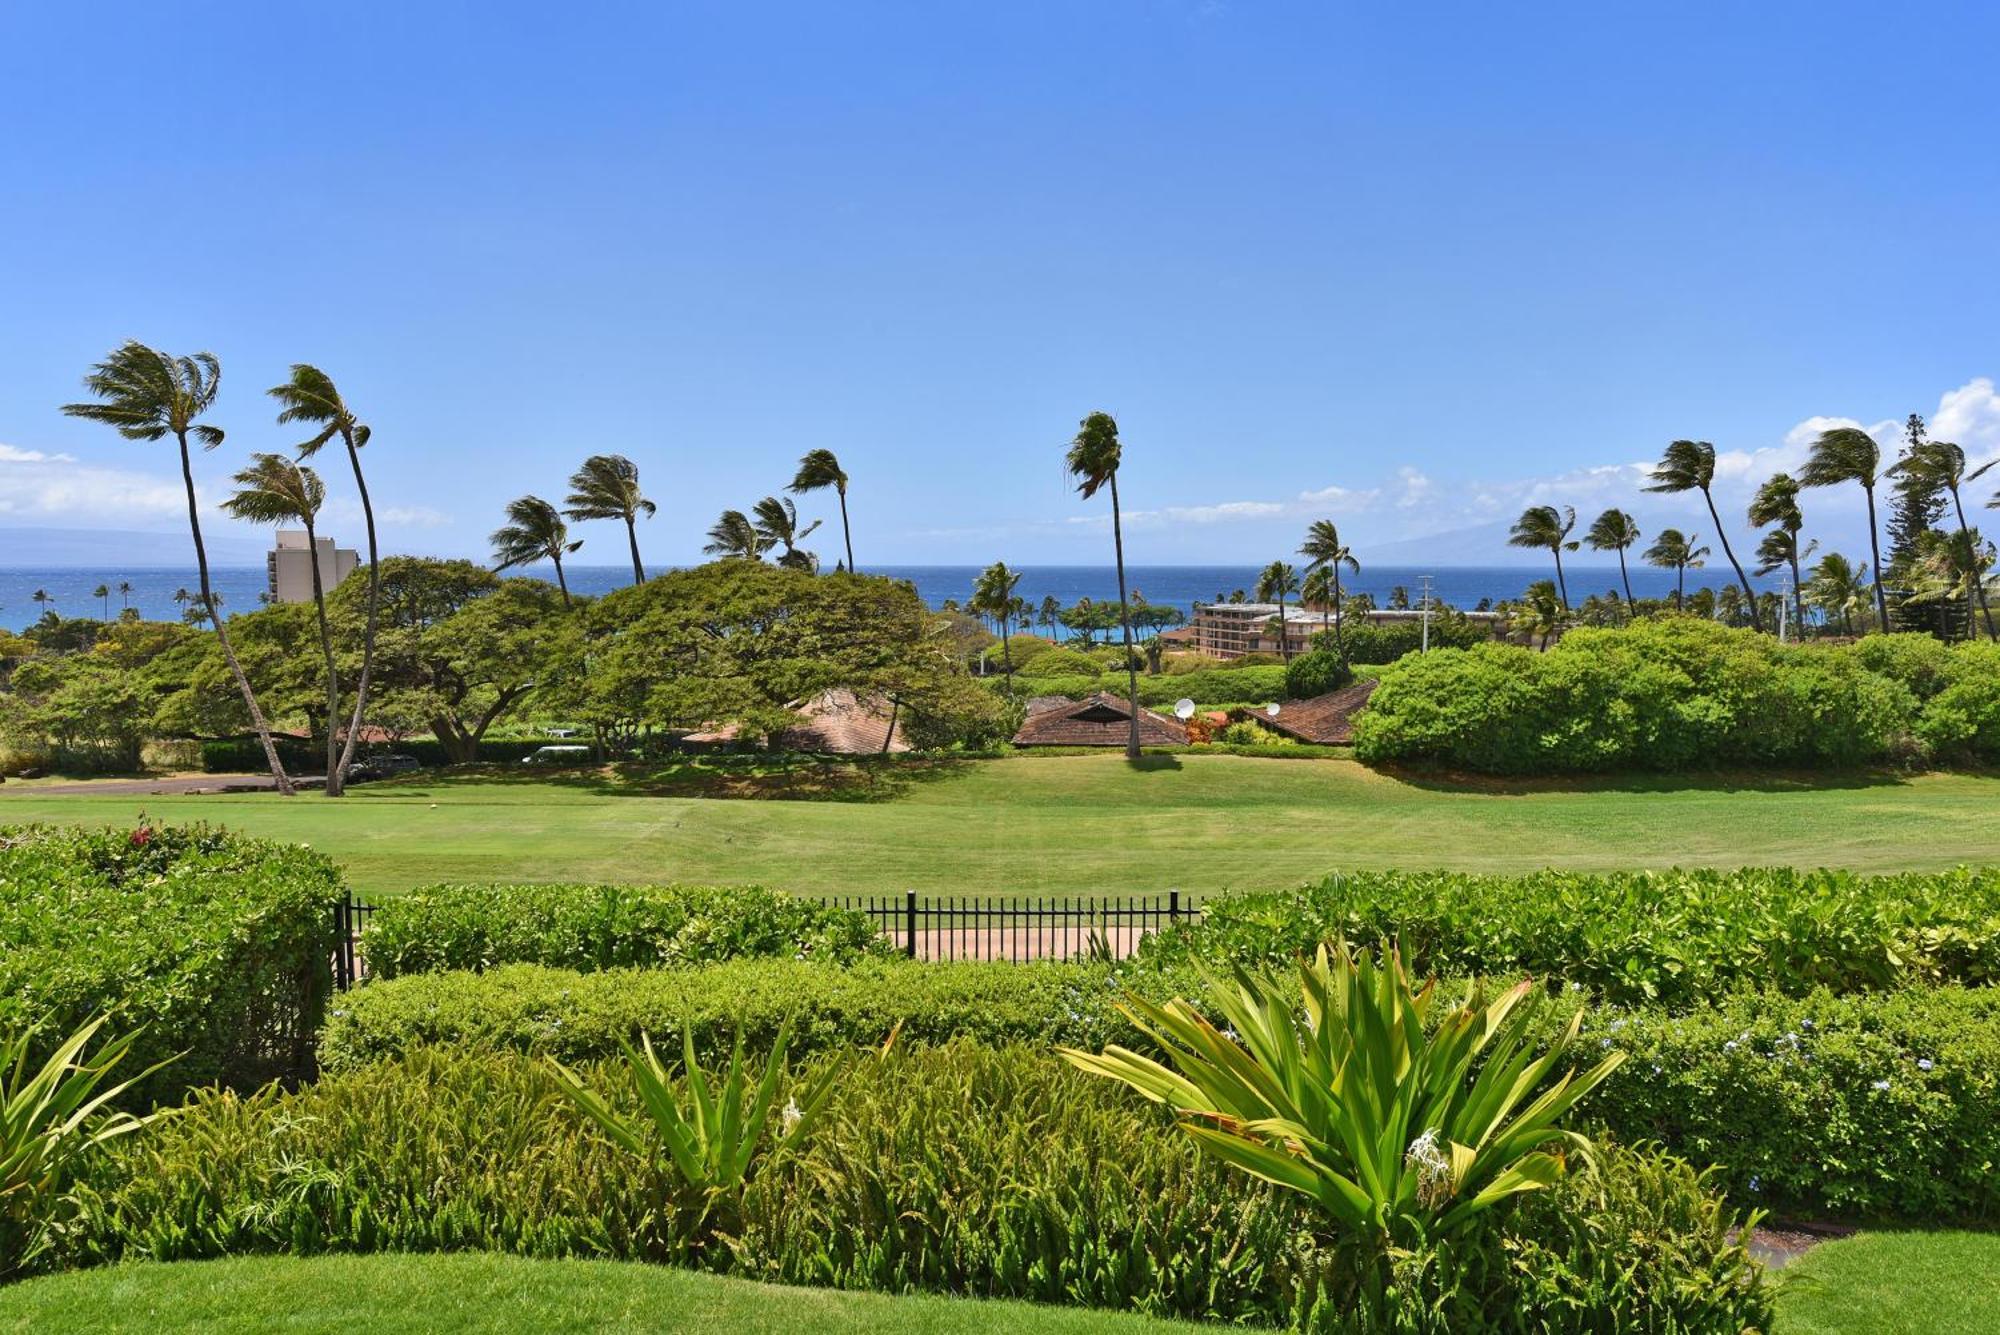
(1546, 527)
(1046, 614)
(1541, 613)
(534, 531)
(1614, 531)
(274, 490)
(1849, 454)
(1777, 503)
(1942, 464)
(1093, 460)
(147, 395)
(125, 593)
(777, 525)
(103, 593)
(43, 599)
(607, 487)
(818, 470)
(1276, 582)
(1320, 588)
(311, 397)
(1324, 551)
(1689, 465)
(994, 596)
(1676, 551)
(1951, 567)
(1838, 588)
(734, 538)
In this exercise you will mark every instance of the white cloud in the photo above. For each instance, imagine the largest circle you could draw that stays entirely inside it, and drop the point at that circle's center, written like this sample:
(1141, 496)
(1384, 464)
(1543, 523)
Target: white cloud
(416, 516)
(1970, 415)
(35, 484)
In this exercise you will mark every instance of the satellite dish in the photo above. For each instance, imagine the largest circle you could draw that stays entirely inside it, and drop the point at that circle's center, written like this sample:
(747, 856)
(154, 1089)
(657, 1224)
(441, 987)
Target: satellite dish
(1184, 709)
(1271, 709)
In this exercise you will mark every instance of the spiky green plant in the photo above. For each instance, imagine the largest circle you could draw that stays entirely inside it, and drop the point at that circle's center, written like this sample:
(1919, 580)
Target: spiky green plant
(51, 1115)
(712, 1134)
(1342, 1086)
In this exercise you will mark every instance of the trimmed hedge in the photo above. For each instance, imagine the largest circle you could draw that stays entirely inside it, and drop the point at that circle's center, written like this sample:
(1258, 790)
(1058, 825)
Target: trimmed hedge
(1671, 936)
(1810, 1133)
(606, 926)
(960, 1169)
(1670, 694)
(216, 945)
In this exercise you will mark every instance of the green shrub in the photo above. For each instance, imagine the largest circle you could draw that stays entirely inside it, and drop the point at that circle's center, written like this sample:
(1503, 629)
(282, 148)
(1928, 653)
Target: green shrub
(606, 926)
(1316, 673)
(213, 946)
(1914, 662)
(1961, 721)
(1928, 1151)
(1673, 936)
(1060, 662)
(1670, 694)
(1366, 642)
(960, 1169)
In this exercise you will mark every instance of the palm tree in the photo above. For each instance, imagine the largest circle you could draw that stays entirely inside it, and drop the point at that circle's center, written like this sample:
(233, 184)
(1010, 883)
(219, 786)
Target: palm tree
(1542, 612)
(1093, 459)
(778, 526)
(125, 594)
(1689, 465)
(274, 490)
(1275, 582)
(734, 538)
(311, 396)
(607, 487)
(993, 596)
(1677, 552)
(1320, 587)
(1047, 613)
(1549, 528)
(1777, 503)
(818, 470)
(1951, 567)
(534, 531)
(43, 599)
(1940, 463)
(147, 395)
(103, 592)
(1848, 454)
(1837, 586)
(1615, 530)
(1324, 550)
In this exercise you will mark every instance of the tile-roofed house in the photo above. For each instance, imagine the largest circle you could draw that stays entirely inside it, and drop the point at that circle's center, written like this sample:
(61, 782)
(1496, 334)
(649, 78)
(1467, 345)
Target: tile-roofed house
(1101, 720)
(1327, 720)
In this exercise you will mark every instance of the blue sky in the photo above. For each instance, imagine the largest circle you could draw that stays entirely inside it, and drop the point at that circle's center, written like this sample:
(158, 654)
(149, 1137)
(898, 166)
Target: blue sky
(1409, 267)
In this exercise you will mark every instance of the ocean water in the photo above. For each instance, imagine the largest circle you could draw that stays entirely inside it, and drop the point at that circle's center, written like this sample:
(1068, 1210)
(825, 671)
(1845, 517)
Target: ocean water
(152, 591)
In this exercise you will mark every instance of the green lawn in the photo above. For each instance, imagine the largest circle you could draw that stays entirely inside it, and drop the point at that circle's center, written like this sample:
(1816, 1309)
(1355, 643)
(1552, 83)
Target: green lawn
(1074, 824)
(1895, 1284)
(345, 1294)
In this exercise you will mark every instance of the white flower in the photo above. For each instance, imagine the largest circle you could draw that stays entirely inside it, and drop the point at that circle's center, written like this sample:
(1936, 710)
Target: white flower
(791, 1115)
(1433, 1167)
(1924, 1063)
(1879, 1084)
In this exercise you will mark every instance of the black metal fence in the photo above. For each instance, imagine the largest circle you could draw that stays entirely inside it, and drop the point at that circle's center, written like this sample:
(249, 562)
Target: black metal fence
(941, 928)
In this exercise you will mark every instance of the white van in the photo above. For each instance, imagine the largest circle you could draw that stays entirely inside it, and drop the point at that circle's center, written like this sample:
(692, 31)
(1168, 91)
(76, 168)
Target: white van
(557, 755)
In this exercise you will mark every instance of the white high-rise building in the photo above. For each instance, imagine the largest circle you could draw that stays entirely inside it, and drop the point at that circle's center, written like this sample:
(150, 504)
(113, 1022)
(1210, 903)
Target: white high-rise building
(291, 576)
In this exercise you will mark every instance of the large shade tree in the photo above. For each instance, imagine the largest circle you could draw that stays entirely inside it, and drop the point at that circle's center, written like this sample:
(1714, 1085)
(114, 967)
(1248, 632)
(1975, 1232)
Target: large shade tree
(1326, 553)
(607, 487)
(311, 397)
(1546, 527)
(148, 395)
(818, 470)
(1093, 459)
(534, 531)
(1849, 454)
(1689, 465)
(274, 490)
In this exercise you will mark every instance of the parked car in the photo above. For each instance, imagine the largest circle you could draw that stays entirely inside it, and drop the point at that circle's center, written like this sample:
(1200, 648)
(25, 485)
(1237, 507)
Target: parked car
(382, 767)
(557, 755)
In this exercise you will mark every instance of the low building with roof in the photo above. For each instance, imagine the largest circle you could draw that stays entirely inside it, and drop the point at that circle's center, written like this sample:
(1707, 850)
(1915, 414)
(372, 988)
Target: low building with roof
(1101, 720)
(1324, 720)
(1231, 630)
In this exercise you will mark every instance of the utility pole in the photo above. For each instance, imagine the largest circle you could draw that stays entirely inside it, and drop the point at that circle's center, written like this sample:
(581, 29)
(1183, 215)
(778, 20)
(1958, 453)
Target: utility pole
(1424, 607)
(1784, 604)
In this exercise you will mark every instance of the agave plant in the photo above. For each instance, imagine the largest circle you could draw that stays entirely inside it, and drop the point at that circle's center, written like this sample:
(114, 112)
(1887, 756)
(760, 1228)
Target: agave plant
(712, 1133)
(51, 1115)
(1397, 1124)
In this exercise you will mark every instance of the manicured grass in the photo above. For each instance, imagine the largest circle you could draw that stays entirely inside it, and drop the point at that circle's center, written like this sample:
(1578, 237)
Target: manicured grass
(345, 1294)
(1894, 1284)
(1074, 824)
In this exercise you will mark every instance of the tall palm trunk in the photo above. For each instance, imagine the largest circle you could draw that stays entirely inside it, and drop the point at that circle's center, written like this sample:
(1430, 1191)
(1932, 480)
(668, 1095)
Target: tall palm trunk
(1798, 590)
(632, 540)
(1339, 640)
(1875, 550)
(374, 601)
(1625, 577)
(1284, 640)
(1125, 620)
(333, 771)
(1978, 583)
(1562, 585)
(561, 583)
(257, 720)
(846, 538)
(1680, 587)
(1006, 653)
(1756, 621)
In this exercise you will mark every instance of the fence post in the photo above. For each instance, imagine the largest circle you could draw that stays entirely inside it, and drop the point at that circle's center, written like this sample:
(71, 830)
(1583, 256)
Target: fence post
(1173, 907)
(343, 943)
(910, 923)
